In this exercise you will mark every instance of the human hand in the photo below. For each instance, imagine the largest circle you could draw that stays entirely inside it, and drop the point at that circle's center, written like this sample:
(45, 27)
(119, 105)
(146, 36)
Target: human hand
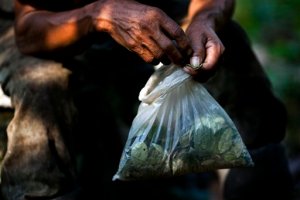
(207, 49)
(143, 29)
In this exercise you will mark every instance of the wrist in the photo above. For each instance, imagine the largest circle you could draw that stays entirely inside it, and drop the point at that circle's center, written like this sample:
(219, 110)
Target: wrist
(210, 13)
(97, 14)
(209, 18)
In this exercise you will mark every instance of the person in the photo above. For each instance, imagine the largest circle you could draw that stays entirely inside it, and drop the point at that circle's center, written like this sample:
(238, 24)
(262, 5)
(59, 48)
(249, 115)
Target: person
(66, 137)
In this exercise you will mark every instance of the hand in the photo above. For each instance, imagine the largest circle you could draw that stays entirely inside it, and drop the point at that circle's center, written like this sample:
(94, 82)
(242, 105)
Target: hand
(143, 29)
(207, 49)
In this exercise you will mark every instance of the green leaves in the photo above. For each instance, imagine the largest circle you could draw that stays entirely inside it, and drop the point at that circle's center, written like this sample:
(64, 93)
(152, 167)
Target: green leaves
(211, 143)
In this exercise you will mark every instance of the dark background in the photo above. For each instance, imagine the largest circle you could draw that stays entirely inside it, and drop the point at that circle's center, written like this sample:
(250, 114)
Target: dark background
(274, 28)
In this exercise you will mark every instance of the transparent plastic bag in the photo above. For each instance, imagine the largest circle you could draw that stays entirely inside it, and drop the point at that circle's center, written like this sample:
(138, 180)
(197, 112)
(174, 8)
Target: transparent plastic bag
(179, 128)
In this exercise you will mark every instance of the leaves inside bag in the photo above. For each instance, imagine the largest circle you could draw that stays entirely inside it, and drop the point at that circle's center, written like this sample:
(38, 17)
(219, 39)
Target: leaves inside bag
(179, 129)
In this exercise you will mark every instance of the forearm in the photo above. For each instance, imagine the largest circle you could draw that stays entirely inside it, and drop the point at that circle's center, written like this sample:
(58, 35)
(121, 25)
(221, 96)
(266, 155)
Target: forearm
(40, 32)
(142, 29)
(214, 12)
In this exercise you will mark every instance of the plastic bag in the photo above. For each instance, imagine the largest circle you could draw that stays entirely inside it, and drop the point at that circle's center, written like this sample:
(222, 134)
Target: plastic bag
(179, 128)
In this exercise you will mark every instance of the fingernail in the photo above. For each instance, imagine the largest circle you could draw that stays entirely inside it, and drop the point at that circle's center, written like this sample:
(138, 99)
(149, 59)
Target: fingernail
(195, 61)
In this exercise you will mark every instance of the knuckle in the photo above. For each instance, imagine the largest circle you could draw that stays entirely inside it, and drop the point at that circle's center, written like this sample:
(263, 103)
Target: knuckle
(220, 46)
(151, 20)
(132, 44)
(148, 27)
(152, 13)
(148, 58)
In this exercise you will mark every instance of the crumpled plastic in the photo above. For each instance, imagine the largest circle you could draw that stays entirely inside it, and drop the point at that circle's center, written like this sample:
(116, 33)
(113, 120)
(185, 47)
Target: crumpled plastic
(179, 128)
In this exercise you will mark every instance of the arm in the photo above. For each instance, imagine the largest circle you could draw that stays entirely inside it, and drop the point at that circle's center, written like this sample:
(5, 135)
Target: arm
(215, 12)
(145, 30)
(40, 32)
(204, 19)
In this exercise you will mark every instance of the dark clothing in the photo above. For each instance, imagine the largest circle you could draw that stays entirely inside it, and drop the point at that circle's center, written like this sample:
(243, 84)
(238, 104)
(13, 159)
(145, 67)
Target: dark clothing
(243, 89)
(71, 121)
(269, 179)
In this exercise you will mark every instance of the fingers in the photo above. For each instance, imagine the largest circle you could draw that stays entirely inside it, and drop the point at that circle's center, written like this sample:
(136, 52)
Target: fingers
(182, 41)
(161, 45)
(208, 49)
(214, 50)
(199, 50)
(166, 50)
(202, 74)
(169, 48)
(174, 42)
(154, 53)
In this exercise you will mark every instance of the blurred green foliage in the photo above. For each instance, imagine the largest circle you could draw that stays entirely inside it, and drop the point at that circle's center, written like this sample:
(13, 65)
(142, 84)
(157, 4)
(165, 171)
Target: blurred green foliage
(274, 25)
